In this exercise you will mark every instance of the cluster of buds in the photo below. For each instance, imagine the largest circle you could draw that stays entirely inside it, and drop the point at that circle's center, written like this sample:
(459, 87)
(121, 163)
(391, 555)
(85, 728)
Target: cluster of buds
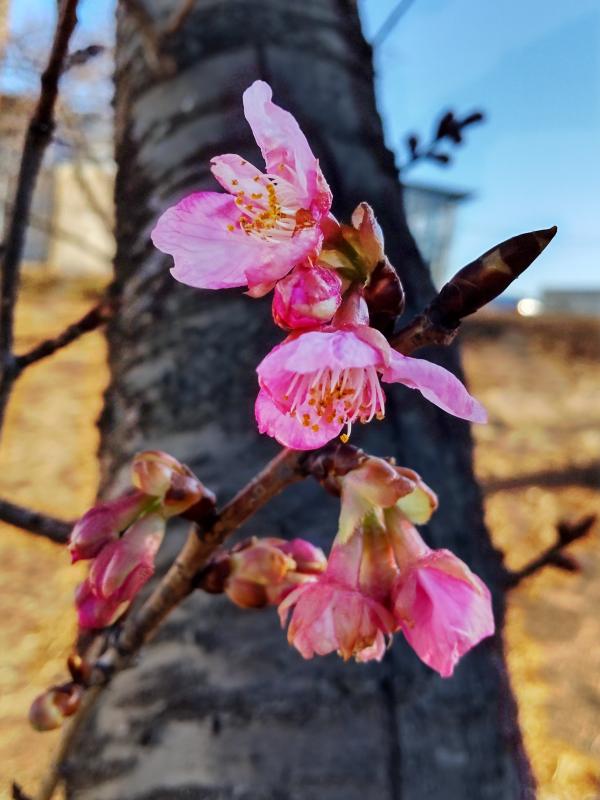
(382, 578)
(121, 537)
(334, 289)
(260, 572)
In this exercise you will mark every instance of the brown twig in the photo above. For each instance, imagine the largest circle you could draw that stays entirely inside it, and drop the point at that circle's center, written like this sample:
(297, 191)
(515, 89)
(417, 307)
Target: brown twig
(161, 64)
(587, 475)
(90, 321)
(566, 533)
(38, 137)
(57, 530)
(178, 17)
(17, 793)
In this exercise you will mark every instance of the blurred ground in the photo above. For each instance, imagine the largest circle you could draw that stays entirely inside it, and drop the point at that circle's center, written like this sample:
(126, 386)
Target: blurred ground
(539, 380)
(48, 462)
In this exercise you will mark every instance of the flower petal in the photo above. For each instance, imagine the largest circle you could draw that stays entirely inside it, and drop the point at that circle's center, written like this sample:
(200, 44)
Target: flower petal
(442, 616)
(207, 253)
(435, 383)
(315, 350)
(212, 251)
(284, 147)
(289, 431)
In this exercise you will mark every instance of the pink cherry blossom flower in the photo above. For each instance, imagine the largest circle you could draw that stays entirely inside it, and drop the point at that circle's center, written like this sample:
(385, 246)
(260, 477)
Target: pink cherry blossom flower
(268, 222)
(307, 298)
(103, 523)
(337, 612)
(315, 384)
(442, 607)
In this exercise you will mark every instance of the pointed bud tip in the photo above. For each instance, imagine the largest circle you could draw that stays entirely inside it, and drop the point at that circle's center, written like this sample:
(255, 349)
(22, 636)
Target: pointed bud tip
(545, 236)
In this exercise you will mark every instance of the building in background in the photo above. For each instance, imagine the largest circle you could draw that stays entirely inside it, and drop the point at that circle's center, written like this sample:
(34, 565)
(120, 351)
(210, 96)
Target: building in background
(431, 214)
(71, 221)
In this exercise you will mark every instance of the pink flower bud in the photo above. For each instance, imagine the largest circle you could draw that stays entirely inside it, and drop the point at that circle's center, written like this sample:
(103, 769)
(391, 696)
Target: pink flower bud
(123, 567)
(49, 709)
(94, 612)
(308, 297)
(310, 559)
(246, 594)
(103, 523)
(263, 571)
(160, 475)
(152, 471)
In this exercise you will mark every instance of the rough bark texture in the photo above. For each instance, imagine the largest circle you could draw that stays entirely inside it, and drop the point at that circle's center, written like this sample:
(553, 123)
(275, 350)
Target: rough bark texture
(219, 706)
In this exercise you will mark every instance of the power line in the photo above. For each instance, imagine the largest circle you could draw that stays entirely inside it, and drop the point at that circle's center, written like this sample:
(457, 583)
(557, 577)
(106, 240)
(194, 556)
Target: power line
(391, 21)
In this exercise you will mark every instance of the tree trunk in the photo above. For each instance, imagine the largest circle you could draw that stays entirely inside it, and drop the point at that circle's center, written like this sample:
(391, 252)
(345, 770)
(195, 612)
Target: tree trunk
(219, 705)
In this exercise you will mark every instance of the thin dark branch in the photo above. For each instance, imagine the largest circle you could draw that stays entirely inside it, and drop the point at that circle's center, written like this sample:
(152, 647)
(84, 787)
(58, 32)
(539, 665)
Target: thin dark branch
(90, 321)
(390, 22)
(83, 55)
(159, 62)
(17, 793)
(587, 475)
(37, 139)
(566, 533)
(178, 17)
(57, 530)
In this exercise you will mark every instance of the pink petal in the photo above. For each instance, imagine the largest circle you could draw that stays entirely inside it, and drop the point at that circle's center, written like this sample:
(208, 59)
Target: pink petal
(207, 254)
(212, 251)
(122, 567)
(436, 384)
(289, 431)
(284, 147)
(315, 350)
(236, 175)
(442, 616)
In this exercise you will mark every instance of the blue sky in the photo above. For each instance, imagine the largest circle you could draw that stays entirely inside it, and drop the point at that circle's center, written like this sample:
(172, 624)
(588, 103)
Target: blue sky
(533, 66)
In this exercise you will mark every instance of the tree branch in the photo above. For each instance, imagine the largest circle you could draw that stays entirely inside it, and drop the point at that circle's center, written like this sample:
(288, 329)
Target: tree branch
(471, 288)
(39, 134)
(159, 62)
(90, 321)
(57, 530)
(587, 475)
(566, 533)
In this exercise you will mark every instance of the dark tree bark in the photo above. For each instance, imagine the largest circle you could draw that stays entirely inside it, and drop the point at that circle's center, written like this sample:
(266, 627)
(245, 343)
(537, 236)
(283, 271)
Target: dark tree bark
(219, 706)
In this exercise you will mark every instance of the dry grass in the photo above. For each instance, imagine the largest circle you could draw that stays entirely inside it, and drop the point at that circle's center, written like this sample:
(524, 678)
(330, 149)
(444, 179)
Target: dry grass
(539, 381)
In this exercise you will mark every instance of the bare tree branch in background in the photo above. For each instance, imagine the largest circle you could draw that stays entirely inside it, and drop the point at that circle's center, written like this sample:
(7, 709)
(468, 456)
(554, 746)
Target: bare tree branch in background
(57, 530)
(566, 534)
(37, 139)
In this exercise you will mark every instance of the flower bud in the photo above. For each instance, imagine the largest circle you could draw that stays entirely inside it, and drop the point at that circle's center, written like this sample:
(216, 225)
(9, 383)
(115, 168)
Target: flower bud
(263, 571)
(103, 523)
(309, 558)
(354, 250)
(374, 485)
(49, 709)
(123, 567)
(160, 475)
(261, 561)
(93, 612)
(308, 297)
(152, 472)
